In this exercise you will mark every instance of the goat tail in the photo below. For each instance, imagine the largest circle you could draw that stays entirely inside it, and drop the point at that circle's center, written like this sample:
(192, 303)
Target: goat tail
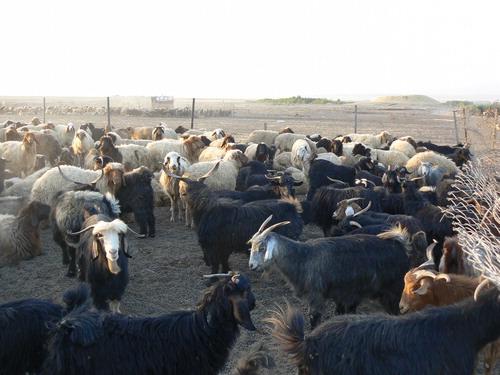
(289, 332)
(256, 359)
(77, 297)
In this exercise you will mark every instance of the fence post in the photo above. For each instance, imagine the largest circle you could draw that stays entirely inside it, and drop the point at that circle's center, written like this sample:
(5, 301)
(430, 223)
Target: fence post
(265, 126)
(109, 113)
(355, 118)
(44, 110)
(465, 125)
(456, 125)
(192, 114)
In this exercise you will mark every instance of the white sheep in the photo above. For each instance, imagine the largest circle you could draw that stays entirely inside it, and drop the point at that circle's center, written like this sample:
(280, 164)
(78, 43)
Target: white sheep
(215, 134)
(20, 156)
(212, 154)
(265, 136)
(433, 157)
(389, 158)
(303, 151)
(404, 147)
(331, 157)
(178, 165)
(162, 132)
(135, 156)
(22, 187)
(52, 181)
(81, 145)
(372, 141)
(284, 142)
(190, 148)
(65, 134)
(282, 161)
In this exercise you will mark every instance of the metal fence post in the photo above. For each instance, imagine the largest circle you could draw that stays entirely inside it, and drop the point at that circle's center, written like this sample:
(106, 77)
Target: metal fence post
(44, 110)
(265, 125)
(192, 114)
(109, 113)
(465, 125)
(355, 118)
(456, 125)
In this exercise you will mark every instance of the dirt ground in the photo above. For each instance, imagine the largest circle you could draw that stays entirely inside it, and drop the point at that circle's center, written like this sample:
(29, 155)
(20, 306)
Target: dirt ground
(166, 271)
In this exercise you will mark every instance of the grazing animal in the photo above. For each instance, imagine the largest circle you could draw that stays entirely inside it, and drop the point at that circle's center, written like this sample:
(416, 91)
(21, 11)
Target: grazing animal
(20, 156)
(183, 342)
(177, 165)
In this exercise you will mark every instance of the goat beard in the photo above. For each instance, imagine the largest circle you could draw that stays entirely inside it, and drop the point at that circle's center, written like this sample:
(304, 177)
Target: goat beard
(113, 266)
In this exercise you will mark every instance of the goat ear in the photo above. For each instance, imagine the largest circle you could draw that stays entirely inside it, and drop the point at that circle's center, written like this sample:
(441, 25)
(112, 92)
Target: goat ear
(241, 313)
(424, 286)
(95, 248)
(34, 219)
(125, 247)
(384, 178)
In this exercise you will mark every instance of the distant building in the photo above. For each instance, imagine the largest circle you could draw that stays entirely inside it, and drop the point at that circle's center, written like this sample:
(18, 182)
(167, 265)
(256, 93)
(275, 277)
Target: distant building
(162, 102)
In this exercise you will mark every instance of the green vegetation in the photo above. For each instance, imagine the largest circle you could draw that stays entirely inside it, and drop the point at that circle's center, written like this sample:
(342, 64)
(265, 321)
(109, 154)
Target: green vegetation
(476, 109)
(458, 103)
(300, 100)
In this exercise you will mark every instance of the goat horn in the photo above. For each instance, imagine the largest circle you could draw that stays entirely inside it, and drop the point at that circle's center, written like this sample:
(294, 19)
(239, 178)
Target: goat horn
(347, 201)
(168, 173)
(81, 231)
(263, 225)
(417, 178)
(213, 170)
(136, 234)
(363, 210)
(263, 234)
(355, 224)
(67, 178)
(420, 274)
(93, 183)
(479, 287)
(333, 179)
(272, 178)
(217, 275)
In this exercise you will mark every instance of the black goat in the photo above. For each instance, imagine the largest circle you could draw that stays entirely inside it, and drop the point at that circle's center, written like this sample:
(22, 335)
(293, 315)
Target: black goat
(437, 340)
(107, 148)
(326, 143)
(25, 327)
(96, 133)
(183, 342)
(392, 179)
(320, 170)
(346, 269)
(224, 227)
(337, 147)
(253, 167)
(136, 195)
(252, 361)
(437, 148)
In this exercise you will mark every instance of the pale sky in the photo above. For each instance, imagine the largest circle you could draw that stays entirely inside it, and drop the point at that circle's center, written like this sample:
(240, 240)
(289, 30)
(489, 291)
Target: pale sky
(251, 49)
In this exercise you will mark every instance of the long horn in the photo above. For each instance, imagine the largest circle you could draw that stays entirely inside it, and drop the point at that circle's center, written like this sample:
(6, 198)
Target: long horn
(272, 178)
(347, 201)
(417, 178)
(274, 226)
(479, 287)
(136, 234)
(333, 180)
(81, 231)
(355, 224)
(263, 225)
(168, 173)
(363, 210)
(93, 183)
(69, 179)
(213, 170)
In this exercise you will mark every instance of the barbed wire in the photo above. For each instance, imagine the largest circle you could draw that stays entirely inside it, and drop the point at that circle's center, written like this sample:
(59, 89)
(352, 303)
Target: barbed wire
(475, 209)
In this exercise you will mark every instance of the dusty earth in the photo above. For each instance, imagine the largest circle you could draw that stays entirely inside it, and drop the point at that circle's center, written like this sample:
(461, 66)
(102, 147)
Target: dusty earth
(166, 271)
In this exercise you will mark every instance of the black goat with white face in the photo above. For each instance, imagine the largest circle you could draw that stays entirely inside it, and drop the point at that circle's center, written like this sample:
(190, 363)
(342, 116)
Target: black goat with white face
(184, 342)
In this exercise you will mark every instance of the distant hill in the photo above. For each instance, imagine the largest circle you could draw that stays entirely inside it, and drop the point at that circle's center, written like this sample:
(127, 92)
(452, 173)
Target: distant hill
(407, 100)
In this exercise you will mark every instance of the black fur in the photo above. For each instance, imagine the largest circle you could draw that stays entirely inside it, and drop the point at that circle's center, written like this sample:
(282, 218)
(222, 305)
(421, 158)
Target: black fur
(321, 169)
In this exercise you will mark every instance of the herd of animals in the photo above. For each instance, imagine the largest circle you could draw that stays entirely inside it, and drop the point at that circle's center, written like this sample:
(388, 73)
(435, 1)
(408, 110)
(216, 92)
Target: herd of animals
(378, 200)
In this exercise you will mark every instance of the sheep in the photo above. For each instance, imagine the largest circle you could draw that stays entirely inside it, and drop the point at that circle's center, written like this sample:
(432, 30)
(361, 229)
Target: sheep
(160, 132)
(106, 180)
(282, 161)
(346, 269)
(299, 176)
(66, 157)
(224, 227)
(403, 146)
(212, 154)
(302, 152)
(20, 156)
(215, 134)
(102, 255)
(184, 342)
(178, 165)
(25, 326)
(331, 157)
(12, 134)
(265, 136)
(136, 195)
(143, 132)
(82, 143)
(284, 142)
(438, 340)
(436, 159)
(20, 235)
(190, 148)
(66, 134)
(431, 174)
(372, 141)
(22, 187)
(222, 142)
(390, 158)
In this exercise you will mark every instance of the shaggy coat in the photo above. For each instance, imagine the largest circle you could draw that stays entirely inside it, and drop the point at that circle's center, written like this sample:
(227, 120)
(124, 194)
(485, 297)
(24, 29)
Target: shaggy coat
(20, 235)
(190, 148)
(20, 156)
(183, 342)
(319, 172)
(439, 340)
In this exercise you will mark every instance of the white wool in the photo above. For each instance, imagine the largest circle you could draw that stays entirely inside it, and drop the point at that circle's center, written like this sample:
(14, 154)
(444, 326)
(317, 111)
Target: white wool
(117, 226)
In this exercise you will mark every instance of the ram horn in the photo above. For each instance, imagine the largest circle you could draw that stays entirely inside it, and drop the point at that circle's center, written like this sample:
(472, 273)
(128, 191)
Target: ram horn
(81, 231)
(168, 173)
(419, 274)
(334, 180)
(101, 175)
(481, 285)
(348, 201)
(135, 233)
(268, 230)
(69, 179)
(428, 251)
(363, 210)
(355, 224)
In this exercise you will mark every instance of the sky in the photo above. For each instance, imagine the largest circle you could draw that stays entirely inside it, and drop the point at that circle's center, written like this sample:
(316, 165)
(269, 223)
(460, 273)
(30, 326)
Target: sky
(251, 49)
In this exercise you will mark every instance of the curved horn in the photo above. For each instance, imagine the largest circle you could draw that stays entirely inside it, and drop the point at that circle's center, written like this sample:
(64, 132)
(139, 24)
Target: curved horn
(419, 274)
(136, 234)
(363, 210)
(347, 201)
(81, 231)
(355, 224)
(417, 178)
(263, 225)
(263, 234)
(67, 178)
(479, 287)
(272, 178)
(93, 183)
(213, 170)
(334, 180)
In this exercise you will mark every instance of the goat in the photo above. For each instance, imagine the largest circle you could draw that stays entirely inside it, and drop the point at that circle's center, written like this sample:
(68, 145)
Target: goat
(320, 170)
(431, 174)
(224, 227)
(253, 167)
(439, 340)
(454, 259)
(346, 269)
(178, 165)
(25, 326)
(20, 235)
(183, 342)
